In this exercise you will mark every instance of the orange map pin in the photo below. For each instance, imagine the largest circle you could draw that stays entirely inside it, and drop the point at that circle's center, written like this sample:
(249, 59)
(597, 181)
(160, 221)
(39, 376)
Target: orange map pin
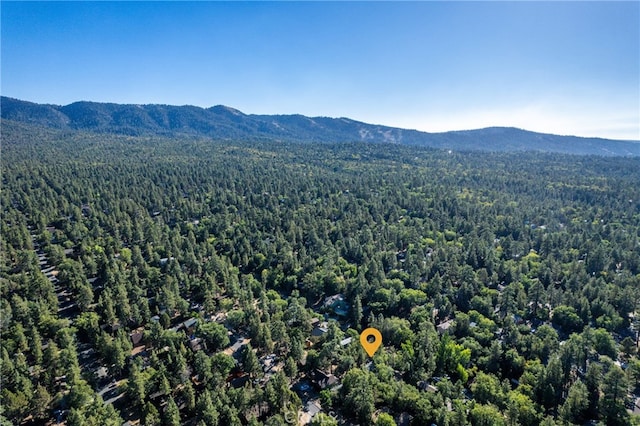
(371, 339)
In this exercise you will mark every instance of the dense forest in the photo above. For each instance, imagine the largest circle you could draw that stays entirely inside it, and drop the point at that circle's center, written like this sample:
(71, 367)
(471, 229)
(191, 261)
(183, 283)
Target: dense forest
(166, 281)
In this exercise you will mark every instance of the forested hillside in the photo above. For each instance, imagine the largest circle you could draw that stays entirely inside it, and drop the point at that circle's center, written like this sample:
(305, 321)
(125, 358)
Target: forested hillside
(221, 122)
(191, 281)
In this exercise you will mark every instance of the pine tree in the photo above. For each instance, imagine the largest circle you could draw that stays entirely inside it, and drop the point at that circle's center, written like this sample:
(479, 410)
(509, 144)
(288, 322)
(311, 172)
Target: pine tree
(171, 413)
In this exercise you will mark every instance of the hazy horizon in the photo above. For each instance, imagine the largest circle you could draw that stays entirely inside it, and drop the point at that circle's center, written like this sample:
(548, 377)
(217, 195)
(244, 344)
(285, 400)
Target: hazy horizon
(249, 113)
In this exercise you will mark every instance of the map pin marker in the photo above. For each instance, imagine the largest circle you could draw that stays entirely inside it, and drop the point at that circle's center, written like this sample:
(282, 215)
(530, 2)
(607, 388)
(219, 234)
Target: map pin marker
(371, 339)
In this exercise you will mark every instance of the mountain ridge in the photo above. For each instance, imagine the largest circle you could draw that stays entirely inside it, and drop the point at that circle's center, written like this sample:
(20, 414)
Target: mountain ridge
(223, 122)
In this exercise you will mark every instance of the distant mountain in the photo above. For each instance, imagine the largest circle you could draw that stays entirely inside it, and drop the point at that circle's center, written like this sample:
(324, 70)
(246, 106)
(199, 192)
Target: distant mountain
(222, 122)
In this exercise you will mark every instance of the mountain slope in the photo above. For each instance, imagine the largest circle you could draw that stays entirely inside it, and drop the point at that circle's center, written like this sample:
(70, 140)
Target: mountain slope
(227, 123)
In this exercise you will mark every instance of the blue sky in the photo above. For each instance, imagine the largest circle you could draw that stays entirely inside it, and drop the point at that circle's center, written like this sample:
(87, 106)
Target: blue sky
(556, 67)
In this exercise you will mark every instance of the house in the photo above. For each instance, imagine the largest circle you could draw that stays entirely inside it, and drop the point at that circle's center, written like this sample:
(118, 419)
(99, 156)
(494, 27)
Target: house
(268, 362)
(196, 307)
(323, 380)
(423, 385)
(404, 419)
(136, 337)
(190, 325)
(234, 350)
(444, 327)
(112, 328)
(320, 329)
(517, 319)
(165, 260)
(313, 407)
(239, 382)
(219, 317)
(177, 327)
(195, 344)
(345, 342)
